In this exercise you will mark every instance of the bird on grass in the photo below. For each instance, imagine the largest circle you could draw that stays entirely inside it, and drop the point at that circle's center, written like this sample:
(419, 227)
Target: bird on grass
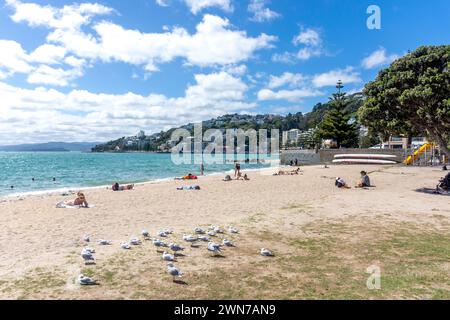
(266, 252)
(173, 271)
(167, 256)
(85, 281)
(214, 248)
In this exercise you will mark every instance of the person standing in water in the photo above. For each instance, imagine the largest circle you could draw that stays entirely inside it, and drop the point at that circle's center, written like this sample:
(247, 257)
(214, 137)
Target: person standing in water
(237, 169)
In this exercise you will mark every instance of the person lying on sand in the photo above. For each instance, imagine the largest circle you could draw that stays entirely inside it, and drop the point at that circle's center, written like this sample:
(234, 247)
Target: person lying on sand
(117, 187)
(364, 181)
(79, 201)
(288, 172)
(190, 176)
(340, 183)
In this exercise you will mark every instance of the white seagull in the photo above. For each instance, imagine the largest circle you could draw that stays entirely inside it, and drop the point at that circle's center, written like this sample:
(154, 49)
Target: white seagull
(86, 238)
(266, 252)
(158, 243)
(175, 247)
(233, 230)
(125, 245)
(211, 233)
(203, 238)
(199, 230)
(167, 256)
(227, 243)
(135, 241)
(173, 271)
(163, 233)
(85, 281)
(214, 247)
(103, 242)
(145, 234)
(87, 256)
(190, 238)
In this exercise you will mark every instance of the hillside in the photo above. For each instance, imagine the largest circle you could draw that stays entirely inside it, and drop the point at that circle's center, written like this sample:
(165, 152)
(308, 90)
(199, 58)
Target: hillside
(158, 141)
(50, 147)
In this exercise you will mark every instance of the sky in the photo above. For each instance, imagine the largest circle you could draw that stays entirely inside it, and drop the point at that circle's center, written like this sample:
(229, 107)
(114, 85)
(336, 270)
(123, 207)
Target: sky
(97, 71)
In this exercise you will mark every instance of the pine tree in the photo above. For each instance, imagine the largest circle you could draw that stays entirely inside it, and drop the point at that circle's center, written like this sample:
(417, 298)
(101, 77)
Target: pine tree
(336, 123)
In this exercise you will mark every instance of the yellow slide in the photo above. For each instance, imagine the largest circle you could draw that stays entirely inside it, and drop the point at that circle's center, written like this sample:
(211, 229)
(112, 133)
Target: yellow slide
(418, 153)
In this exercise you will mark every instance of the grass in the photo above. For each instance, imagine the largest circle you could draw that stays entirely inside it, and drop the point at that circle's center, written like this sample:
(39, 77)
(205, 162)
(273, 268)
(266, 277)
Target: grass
(329, 263)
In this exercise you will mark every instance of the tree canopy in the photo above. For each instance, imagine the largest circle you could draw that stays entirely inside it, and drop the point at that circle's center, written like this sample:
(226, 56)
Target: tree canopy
(337, 124)
(412, 97)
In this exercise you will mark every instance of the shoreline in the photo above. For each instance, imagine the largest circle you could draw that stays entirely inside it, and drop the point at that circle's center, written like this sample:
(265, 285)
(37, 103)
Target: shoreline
(73, 190)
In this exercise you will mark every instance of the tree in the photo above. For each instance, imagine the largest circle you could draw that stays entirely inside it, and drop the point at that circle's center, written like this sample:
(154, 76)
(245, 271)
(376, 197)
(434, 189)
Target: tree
(337, 123)
(412, 97)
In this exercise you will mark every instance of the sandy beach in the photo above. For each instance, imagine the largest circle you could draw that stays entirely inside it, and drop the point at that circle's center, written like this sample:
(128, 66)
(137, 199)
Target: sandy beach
(323, 238)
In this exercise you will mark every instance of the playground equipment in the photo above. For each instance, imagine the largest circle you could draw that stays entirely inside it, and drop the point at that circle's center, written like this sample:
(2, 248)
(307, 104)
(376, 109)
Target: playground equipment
(423, 150)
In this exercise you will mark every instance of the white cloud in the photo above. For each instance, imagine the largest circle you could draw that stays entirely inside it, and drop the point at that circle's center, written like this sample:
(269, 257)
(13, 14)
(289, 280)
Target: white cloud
(237, 70)
(293, 80)
(48, 54)
(196, 6)
(53, 76)
(330, 78)
(378, 58)
(289, 95)
(312, 46)
(260, 12)
(40, 114)
(13, 58)
(162, 3)
(69, 17)
(308, 37)
(215, 41)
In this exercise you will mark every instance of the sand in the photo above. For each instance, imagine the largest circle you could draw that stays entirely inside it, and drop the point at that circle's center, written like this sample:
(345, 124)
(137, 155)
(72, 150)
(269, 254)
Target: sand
(36, 236)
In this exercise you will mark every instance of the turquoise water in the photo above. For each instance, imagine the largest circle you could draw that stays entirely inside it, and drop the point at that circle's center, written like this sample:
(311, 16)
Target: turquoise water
(77, 170)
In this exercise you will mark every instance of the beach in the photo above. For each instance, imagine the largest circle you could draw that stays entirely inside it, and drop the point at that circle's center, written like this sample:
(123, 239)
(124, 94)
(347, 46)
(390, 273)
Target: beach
(324, 238)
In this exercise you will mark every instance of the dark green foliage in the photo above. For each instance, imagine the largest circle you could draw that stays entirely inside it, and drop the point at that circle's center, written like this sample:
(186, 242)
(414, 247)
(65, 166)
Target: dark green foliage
(412, 97)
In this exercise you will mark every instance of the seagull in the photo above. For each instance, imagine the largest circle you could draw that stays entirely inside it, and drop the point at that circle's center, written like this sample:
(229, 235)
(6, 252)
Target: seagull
(125, 245)
(104, 242)
(158, 244)
(203, 238)
(214, 247)
(163, 233)
(190, 238)
(87, 256)
(175, 247)
(135, 241)
(266, 252)
(199, 230)
(218, 230)
(86, 238)
(85, 281)
(233, 230)
(227, 243)
(173, 271)
(145, 234)
(211, 233)
(167, 256)
(89, 249)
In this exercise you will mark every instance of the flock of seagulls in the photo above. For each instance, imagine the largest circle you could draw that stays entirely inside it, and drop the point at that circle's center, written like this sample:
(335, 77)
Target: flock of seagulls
(169, 250)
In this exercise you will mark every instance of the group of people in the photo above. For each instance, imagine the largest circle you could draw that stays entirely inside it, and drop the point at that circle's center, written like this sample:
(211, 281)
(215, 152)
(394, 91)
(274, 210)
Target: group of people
(364, 182)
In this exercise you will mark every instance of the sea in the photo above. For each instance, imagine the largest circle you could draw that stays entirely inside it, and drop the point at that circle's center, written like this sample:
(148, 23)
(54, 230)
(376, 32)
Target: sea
(61, 171)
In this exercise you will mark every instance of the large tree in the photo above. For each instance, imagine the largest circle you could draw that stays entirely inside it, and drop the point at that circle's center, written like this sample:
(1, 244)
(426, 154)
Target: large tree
(337, 123)
(412, 97)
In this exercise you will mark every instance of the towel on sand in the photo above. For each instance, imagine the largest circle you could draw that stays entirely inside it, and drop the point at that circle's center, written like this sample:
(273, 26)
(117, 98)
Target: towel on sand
(189, 188)
(63, 205)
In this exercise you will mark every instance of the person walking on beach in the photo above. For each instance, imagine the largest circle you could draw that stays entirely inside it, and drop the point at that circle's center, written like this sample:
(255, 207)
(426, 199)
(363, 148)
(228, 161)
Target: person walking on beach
(237, 169)
(202, 169)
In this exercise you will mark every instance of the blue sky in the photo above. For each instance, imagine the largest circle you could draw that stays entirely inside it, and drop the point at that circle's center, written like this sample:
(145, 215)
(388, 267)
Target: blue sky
(103, 69)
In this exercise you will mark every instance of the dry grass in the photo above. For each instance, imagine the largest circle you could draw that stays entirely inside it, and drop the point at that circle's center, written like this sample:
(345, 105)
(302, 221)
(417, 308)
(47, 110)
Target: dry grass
(329, 263)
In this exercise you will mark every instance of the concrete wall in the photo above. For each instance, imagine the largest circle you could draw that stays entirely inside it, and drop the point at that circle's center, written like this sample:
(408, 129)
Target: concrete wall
(306, 157)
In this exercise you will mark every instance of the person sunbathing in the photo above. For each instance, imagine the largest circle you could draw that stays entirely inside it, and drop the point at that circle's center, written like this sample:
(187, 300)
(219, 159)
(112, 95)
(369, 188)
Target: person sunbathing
(190, 176)
(288, 172)
(364, 181)
(79, 201)
(117, 187)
